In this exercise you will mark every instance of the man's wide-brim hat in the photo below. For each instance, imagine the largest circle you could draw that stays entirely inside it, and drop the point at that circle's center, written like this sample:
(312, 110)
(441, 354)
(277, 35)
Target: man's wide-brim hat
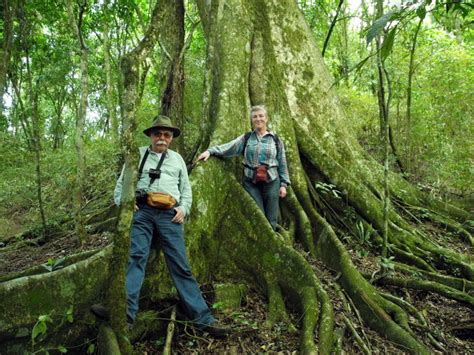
(162, 122)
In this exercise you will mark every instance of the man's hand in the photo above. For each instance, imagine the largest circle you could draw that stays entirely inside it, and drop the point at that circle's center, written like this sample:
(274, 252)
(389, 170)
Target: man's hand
(282, 191)
(204, 156)
(136, 208)
(179, 216)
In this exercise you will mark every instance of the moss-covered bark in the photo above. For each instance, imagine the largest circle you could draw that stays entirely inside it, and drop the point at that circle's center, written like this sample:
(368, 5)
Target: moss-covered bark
(52, 293)
(263, 52)
(276, 62)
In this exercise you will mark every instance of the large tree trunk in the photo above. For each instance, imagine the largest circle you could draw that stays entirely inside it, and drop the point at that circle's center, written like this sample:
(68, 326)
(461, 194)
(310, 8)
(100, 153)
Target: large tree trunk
(263, 52)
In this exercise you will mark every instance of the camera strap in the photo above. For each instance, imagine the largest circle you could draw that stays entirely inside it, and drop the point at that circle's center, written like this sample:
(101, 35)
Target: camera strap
(163, 155)
(142, 164)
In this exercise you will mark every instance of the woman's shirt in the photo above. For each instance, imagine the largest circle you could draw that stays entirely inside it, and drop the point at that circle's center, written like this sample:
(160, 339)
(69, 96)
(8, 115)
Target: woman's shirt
(259, 150)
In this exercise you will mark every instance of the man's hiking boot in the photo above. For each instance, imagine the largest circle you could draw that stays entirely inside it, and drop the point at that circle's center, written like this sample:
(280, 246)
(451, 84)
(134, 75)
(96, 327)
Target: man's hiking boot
(216, 331)
(101, 312)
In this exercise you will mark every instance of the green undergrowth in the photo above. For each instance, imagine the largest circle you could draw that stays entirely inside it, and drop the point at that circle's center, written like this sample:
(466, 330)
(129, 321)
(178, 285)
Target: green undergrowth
(441, 165)
(19, 208)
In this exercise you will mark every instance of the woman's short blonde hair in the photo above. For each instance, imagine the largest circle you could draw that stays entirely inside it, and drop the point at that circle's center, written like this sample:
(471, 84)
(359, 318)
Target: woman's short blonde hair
(258, 108)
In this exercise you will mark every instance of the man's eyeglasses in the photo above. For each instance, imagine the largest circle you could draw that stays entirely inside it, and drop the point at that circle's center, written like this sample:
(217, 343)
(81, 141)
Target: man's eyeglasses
(163, 134)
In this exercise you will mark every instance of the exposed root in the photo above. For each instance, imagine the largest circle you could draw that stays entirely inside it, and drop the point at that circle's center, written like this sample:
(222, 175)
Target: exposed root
(351, 308)
(443, 221)
(310, 319)
(257, 250)
(366, 298)
(409, 308)
(40, 269)
(26, 298)
(454, 282)
(431, 286)
(357, 337)
(339, 339)
(326, 320)
(276, 305)
(107, 341)
(411, 259)
(368, 206)
(170, 333)
(304, 229)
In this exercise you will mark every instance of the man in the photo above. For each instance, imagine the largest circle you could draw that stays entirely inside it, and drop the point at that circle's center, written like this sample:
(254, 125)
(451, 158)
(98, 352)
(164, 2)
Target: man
(163, 176)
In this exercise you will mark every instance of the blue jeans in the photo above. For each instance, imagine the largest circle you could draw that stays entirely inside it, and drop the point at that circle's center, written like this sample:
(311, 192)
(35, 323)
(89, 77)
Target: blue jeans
(267, 196)
(146, 222)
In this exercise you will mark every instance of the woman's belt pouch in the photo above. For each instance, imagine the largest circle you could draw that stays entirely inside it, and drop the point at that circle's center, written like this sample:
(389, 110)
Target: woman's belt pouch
(261, 173)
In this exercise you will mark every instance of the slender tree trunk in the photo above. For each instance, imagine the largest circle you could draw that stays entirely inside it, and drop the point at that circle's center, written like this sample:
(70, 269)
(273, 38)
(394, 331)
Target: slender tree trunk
(411, 71)
(35, 128)
(80, 119)
(384, 132)
(37, 150)
(57, 128)
(331, 27)
(21, 114)
(5, 54)
(110, 94)
(172, 66)
(131, 67)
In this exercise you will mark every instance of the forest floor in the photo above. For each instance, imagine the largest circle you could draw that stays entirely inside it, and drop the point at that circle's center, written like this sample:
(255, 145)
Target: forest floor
(250, 335)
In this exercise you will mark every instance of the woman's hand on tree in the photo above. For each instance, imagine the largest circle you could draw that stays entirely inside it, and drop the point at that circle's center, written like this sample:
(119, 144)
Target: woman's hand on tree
(282, 191)
(204, 156)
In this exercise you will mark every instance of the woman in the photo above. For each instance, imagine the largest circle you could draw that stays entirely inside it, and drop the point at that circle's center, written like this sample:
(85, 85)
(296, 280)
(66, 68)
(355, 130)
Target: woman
(265, 168)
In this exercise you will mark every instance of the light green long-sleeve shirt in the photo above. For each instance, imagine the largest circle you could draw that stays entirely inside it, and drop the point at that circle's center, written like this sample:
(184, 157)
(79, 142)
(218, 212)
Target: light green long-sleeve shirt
(174, 178)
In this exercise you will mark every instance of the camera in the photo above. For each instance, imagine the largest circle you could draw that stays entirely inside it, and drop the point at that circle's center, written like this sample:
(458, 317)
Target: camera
(154, 173)
(140, 196)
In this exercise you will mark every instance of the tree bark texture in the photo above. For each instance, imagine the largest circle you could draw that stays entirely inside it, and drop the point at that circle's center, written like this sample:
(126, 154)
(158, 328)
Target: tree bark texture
(262, 51)
(411, 71)
(110, 92)
(5, 54)
(82, 50)
(131, 68)
(171, 71)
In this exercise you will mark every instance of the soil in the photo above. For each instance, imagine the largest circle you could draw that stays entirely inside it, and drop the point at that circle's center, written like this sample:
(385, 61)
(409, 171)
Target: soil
(250, 335)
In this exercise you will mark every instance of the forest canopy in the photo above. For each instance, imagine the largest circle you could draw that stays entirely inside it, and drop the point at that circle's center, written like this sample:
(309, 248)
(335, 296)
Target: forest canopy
(373, 102)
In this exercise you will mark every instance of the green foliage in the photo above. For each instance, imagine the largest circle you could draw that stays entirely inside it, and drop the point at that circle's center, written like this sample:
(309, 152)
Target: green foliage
(328, 189)
(443, 114)
(39, 329)
(241, 318)
(438, 153)
(18, 190)
(91, 348)
(363, 234)
(45, 326)
(387, 44)
(52, 265)
(387, 263)
(218, 306)
(380, 23)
